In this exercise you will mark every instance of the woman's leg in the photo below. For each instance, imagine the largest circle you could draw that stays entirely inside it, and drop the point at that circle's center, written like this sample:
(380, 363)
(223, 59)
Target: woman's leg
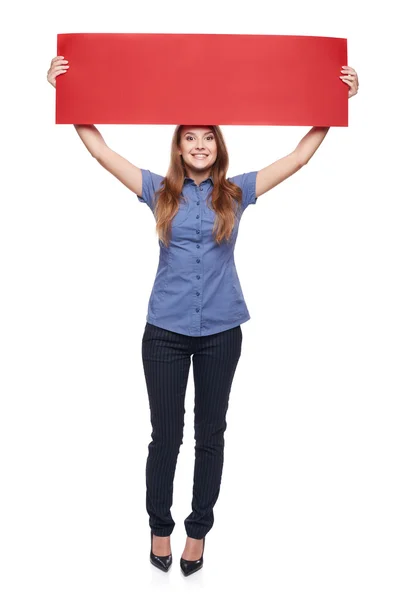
(166, 363)
(214, 364)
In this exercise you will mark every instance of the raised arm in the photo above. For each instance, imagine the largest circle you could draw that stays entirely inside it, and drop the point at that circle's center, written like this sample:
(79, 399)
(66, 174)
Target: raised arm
(283, 168)
(121, 168)
(118, 166)
(115, 164)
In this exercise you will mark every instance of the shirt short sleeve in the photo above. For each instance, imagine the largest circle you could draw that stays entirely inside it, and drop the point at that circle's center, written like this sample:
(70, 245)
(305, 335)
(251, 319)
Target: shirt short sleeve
(247, 182)
(151, 182)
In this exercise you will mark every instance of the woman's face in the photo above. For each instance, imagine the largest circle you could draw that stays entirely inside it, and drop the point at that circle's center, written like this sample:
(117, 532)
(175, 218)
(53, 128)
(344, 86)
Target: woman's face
(198, 148)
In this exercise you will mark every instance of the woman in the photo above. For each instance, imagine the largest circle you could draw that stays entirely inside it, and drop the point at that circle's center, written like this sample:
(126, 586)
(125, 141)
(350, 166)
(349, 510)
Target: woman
(196, 307)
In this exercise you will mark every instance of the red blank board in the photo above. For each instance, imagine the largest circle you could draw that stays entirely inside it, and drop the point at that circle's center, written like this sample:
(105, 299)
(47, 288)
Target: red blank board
(202, 79)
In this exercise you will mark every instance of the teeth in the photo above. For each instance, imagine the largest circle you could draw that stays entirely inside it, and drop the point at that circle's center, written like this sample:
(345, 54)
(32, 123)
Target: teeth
(200, 155)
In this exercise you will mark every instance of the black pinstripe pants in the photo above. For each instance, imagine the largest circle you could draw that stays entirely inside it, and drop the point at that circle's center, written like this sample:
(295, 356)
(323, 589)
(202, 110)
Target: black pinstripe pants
(166, 360)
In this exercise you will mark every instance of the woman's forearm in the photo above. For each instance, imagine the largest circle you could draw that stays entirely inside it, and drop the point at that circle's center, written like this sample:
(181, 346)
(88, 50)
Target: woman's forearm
(91, 137)
(310, 143)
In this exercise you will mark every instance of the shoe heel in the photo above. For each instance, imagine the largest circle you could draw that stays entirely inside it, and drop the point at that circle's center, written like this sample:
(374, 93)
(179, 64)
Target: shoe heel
(161, 562)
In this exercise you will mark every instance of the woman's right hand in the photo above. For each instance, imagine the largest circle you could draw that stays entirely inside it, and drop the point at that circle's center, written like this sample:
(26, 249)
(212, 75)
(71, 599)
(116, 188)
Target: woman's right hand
(57, 66)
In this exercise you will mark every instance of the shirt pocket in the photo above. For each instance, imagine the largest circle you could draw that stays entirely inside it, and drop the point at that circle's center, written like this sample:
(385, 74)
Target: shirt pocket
(208, 217)
(182, 214)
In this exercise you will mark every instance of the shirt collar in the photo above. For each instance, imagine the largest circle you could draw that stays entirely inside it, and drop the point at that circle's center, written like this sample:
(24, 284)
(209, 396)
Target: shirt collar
(190, 179)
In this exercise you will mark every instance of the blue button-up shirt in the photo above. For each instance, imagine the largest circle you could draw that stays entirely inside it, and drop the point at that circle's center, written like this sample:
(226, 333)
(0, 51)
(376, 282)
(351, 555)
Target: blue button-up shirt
(196, 290)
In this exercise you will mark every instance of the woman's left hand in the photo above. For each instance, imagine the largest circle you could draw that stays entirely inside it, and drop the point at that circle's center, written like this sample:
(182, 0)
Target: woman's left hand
(350, 77)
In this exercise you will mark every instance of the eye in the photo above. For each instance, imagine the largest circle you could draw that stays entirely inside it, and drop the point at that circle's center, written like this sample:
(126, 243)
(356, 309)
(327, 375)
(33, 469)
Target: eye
(189, 137)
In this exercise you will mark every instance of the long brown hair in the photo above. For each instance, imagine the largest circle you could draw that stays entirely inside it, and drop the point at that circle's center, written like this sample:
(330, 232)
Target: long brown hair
(226, 197)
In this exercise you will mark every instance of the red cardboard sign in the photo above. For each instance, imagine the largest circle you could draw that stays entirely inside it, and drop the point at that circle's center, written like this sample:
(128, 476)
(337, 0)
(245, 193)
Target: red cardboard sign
(203, 79)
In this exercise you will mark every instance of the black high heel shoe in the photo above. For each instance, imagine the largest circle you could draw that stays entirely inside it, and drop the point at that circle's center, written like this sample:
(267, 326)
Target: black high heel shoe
(162, 562)
(191, 566)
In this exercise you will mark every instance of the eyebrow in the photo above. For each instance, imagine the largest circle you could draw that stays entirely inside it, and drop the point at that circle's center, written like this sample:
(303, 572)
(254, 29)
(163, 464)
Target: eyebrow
(191, 132)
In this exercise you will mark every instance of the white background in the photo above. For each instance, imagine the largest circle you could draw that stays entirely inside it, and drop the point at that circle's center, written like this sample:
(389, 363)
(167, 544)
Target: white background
(310, 491)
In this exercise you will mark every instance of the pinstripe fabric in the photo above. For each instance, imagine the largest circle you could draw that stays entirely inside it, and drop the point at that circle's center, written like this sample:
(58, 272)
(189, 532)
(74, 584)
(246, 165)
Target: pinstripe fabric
(166, 359)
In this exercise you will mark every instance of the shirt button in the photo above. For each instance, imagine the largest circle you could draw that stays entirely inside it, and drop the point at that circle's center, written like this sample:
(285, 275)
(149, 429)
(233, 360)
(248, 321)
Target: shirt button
(198, 245)
(197, 230)
(201, 189)
(197, 309)
(197, 216)
(197, 203)
(198, 276)
(197, 260)
(197, 293)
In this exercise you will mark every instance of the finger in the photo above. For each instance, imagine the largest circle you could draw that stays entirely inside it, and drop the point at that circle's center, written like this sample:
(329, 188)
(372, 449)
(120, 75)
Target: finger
(349, 73)
(52, 77)
(59, 68)
(349, 83)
